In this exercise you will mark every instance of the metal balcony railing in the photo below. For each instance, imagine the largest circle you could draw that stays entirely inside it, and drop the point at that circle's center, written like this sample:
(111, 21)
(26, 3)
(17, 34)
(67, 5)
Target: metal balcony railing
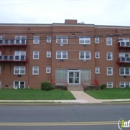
(12, 58)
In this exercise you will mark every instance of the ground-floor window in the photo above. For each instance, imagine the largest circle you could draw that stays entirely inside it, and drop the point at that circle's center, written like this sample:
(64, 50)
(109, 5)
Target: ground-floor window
(124, 84)
(19, 84)
(109, 84)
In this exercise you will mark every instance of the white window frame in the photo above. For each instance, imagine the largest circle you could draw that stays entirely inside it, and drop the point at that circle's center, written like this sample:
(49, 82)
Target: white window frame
(19, 82)
(125, 71)
(20, 38)
(1, 38)
(97, 70)
(111, 55)
(97, 40)
(35, 54)
(124, 84)
(19, 69)
(62, 39)
(109, 84)
(37, 69)
(48, 40)
(61, 53)
(20, 54)
(48, 69)
(84, 53)
(97, 55)
(109, 71)
(48, 54)
(37, 40)
(125, 42)
(84, 40)
(109, 41)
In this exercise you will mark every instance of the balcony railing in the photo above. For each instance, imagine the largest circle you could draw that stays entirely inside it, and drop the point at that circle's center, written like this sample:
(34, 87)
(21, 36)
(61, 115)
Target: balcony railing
(12, 58)
(13, 43)
(123, 44)
(123, 60)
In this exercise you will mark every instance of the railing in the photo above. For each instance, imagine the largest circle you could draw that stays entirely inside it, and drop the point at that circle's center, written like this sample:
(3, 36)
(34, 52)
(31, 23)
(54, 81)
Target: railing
(90, 82)
(123, 60)
(124, 44)
(12, 58)
(82, 84)
(13, 43)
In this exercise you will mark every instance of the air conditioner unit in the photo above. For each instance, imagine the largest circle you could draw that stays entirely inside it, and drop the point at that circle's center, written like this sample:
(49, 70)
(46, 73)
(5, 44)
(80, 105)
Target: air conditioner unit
(61, 44)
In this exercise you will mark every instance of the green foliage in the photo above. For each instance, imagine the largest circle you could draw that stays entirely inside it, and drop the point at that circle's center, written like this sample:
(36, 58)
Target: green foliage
(46, 86)
(103, 86)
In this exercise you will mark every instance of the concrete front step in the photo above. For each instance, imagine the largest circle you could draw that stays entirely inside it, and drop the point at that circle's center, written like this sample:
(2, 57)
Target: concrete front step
(74, 88)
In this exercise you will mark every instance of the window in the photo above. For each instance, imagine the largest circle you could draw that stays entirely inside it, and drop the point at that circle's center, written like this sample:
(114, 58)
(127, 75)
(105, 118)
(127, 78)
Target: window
(84, 55)
(36, 39)
(48, 69)
(109, 84)
(18, 84)
(124, 71)
(109, 41)
(20, 39)
(97, 40)
(97, 70)
(61, 55)
(35, 70)
(109, 56)
(48, 54)
(1, 39)
(124, 42)
(48, 40)
(20, 55)
(124, 84)
(84, 40)
(97, 55)
(124, 57)
(19, 70)
(109, 71)
(62, 39)
(35, 54)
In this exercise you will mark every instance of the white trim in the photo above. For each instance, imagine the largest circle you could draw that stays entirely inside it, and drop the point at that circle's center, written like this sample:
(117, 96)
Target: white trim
(61, 39)
(48, 54)
(97, 40)
(74, 77)
(109, 41)
(48, 40)
(124, 84)
(111, 55)
(61, 54)
(84, 40)
(35, 54)
(97, 55)
(35, 67)
(37, 40)
(111, 70)
(18, 84)
(110, 83)
(48, 69)
(85, 55)
(19, 70)
(97, 70)
(124, 70)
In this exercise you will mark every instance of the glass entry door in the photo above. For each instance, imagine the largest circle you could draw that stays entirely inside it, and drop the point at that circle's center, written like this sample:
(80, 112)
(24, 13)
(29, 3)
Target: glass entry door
(74, 76)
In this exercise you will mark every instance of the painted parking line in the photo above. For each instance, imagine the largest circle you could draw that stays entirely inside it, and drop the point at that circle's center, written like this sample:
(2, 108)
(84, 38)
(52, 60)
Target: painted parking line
(58, 123)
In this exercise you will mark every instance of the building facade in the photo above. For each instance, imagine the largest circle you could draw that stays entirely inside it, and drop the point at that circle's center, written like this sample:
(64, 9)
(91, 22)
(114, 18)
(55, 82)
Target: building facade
(67, 53)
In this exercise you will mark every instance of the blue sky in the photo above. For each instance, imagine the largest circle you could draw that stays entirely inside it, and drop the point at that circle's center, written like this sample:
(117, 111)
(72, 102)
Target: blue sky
(99, 12)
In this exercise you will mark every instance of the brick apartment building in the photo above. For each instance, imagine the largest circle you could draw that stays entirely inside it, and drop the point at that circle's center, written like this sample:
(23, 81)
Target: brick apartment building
(67, 53)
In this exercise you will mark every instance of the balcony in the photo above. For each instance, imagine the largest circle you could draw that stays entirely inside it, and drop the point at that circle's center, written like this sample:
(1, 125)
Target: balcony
(13, 43)
(12, 58)
(123, 44)
(125, 60)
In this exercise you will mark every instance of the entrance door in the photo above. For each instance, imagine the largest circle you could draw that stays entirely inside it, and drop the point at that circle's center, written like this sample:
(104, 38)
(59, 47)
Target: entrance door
(74, 77)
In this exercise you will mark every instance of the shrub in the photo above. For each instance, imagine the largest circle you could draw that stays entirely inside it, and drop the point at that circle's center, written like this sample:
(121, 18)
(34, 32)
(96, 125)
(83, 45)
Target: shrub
(103, 86)
(46, 86)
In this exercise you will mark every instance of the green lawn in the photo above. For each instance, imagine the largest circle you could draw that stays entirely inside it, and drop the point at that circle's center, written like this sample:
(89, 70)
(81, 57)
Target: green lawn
(30, 94)
(117, 93)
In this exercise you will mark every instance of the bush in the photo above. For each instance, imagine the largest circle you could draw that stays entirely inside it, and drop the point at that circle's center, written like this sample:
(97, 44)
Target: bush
(103, 86)
(46, 86)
